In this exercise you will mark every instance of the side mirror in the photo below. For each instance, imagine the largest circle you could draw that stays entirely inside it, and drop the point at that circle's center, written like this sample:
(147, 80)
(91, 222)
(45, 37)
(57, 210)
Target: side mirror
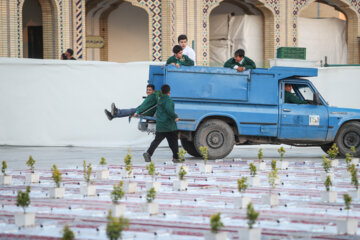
(317, 99)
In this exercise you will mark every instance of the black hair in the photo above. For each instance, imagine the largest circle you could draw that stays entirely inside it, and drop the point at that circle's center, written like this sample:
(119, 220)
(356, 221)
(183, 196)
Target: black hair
(151, 86)
(165, 89)
(63, 56)
(177, 49)
(182, 37)
(240, 53)
(70, 51)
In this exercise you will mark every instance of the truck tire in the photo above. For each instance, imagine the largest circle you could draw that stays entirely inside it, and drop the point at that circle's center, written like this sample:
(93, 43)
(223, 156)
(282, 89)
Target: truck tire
(189, 147)
(326, 147)
(218, 136)
(348, 135)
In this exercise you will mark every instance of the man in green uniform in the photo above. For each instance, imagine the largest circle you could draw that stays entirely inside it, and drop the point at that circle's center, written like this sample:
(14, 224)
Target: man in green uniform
(290, 97)
(147, 108)
(179, 59)
(166, 119)
(239, 62)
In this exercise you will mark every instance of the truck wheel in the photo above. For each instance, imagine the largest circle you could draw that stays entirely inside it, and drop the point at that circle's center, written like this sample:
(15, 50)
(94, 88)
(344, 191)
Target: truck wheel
(326, 147)
(349, 135)
(218, 136)
(189, 147)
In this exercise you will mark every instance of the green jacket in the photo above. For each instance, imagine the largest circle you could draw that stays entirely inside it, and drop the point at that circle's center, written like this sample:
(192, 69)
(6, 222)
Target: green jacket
(184, 61)
(165, 115)
(149, 102)
(247, 63)
(291, 98)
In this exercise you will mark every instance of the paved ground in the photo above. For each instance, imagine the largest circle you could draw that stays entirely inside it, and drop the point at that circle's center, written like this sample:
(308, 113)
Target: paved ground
(69, 156)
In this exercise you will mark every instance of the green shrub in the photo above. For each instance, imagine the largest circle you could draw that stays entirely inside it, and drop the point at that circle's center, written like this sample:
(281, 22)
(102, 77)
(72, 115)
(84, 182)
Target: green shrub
(182, 173)
(3, 167)
(273, 175)
(181, 154)
(115, 226)
(281, 151)
(333, 152)
(347, 201)
(128, 163)
(204, 153)
(67, 233)
(242, 186)
(103, 161)
(348, 159)
(23, 198)
(150, 196)
(87, 172)
(326, 164)
(251, 215)
(273, 165)
(31, 163)
(151, 170)
(215, 223)
(118, 192)
(260, 154)
(328, 183)
(56, 175)
(252, 170)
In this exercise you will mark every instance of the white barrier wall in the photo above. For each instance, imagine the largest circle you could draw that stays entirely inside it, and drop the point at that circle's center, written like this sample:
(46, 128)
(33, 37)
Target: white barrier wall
(61, 103)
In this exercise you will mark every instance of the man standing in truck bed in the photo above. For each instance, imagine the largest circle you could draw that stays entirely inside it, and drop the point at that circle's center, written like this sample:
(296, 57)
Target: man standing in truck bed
(166, 119)
(239, 62)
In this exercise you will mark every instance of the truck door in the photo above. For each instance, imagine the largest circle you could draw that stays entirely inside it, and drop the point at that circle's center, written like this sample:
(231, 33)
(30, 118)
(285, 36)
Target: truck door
(301, 121)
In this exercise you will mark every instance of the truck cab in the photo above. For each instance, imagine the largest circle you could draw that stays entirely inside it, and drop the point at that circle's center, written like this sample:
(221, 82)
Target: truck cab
(219, 107)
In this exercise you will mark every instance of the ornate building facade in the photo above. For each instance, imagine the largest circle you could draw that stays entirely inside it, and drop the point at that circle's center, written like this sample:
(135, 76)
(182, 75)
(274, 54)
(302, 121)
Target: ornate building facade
(46, 28)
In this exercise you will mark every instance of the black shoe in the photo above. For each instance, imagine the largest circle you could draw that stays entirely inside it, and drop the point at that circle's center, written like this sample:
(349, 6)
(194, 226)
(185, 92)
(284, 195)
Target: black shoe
(108, 114)
(147, 157)
(114, 110)
(175, 160)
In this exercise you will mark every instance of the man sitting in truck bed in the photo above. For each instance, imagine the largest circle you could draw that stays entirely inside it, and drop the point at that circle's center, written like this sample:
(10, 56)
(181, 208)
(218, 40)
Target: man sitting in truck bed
(239, 62)
(179, 59)
(290, 97)
(147, 108)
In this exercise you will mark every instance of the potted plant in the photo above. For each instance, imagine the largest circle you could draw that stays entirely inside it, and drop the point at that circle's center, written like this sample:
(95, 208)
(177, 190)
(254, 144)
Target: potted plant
(272, 198)
(181, 154)
(103, 172)
(283, 164)
(4, 178)
(253, 179)
(349, 225)
(87, 189)
(67, 233)
(215, 227)
(327, 168)
(127, 172)
(204, 167)
(328, 196)
(118, 209)
(250, 233)
(24, 219)
(242, 201)
(261, 164)
(32, 177)
(57, 191)
(333, 152)
(180, 184)
(115, 226)
(354, 181)
(150, 206)
(153, 183)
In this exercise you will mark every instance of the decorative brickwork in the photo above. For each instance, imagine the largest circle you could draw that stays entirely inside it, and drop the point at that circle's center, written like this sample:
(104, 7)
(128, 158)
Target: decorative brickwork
(79, 29)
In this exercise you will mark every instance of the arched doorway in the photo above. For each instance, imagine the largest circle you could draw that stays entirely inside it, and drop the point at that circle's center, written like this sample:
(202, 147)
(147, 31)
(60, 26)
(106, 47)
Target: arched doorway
(33, 46)
(233, 25)
(322, 31)
(128, 35)
(344, 28)
(40, 29)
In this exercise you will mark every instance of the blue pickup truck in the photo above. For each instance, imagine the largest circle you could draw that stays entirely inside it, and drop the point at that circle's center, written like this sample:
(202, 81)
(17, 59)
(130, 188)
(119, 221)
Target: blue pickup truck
(219, 107)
